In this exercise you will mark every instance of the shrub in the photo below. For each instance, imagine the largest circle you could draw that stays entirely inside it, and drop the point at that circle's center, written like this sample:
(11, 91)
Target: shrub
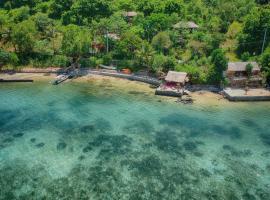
(249, 68)
(245, 56)
(159, 62)
(196, 74)
(4, 57)
(13, 59)
(60, 61)
(90, 62)
(265, 63)
(8, 58)
(169, 64)
(125, 64)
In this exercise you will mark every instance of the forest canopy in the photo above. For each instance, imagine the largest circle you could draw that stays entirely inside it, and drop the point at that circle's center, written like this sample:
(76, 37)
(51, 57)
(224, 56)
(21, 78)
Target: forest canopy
(154, 35)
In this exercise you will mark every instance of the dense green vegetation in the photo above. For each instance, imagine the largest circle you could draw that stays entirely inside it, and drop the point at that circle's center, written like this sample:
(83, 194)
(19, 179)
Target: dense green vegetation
(42, 33)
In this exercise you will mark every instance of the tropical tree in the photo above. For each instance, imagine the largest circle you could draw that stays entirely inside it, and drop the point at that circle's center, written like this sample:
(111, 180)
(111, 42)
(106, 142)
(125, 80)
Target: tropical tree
(265, 63)
(161, 42)
(129, 43)
(76, 42)
(58, 7)
(252, 35)
(7, 58)
(82, 12)
(23, 37)
(220, 64)
(20, 14)
(144, 55)
(174, 6)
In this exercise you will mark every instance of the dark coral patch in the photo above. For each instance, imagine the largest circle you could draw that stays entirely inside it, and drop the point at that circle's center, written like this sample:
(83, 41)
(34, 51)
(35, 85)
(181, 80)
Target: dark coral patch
(233, 131)
(61, 145)
(167, 141)
(190, 146)
(265, 138)
(82, 157)
(18, 135)
(87, 149)
(8, 140)
(87, 128)
(139, 127)
(40, 145)
(148, 166)
(33, 140)
(237, 153)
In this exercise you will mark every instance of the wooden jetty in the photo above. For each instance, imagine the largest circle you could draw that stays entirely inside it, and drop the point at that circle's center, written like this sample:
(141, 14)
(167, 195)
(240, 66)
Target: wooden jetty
(69, 73)
(16, 80)
(61, 78)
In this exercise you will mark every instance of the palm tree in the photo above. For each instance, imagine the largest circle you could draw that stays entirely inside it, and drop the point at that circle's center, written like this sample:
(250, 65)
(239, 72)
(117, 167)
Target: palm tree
(145, 56)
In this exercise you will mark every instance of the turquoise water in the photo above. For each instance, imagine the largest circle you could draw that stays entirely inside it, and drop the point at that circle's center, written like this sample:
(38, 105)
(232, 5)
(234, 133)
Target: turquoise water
(89, 141)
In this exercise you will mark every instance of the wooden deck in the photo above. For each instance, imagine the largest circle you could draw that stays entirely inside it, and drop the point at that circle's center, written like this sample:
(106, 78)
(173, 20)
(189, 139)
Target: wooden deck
(169, 92)
(258, 94)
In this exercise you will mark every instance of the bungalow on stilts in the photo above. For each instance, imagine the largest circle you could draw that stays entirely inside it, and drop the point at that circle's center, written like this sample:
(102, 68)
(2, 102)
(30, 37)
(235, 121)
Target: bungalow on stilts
(174, 84)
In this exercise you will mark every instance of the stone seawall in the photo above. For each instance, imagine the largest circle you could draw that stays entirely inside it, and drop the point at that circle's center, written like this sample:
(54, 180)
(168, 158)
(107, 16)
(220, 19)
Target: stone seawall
(133, 77)
(85, 71)
(210, 88)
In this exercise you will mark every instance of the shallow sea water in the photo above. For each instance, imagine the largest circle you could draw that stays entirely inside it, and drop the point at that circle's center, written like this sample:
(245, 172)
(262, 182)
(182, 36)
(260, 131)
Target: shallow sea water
(95, 141)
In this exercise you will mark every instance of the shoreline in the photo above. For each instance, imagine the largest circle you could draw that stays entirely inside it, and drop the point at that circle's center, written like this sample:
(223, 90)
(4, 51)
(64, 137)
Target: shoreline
(201, 97)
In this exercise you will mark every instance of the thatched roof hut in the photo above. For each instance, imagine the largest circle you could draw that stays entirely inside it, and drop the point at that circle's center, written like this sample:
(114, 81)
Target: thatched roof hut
(186, 25)
(130, 14)
(241, 66)
(176, 77)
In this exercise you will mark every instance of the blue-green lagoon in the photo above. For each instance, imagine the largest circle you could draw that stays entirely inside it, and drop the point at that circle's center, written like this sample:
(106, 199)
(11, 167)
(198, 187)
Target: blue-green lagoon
(110, 139)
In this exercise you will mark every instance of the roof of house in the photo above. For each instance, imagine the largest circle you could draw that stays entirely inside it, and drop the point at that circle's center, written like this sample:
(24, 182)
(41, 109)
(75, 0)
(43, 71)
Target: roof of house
(177, 77)
(189, 24)
(130, 14)
(241, 66)
(113, 36)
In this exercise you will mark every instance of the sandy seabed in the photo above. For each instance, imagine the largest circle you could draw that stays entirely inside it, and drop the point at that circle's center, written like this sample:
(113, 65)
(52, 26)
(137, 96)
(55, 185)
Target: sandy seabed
(99, 137)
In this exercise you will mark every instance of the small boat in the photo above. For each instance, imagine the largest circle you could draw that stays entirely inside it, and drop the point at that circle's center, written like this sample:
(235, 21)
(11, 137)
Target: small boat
(107, 67)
